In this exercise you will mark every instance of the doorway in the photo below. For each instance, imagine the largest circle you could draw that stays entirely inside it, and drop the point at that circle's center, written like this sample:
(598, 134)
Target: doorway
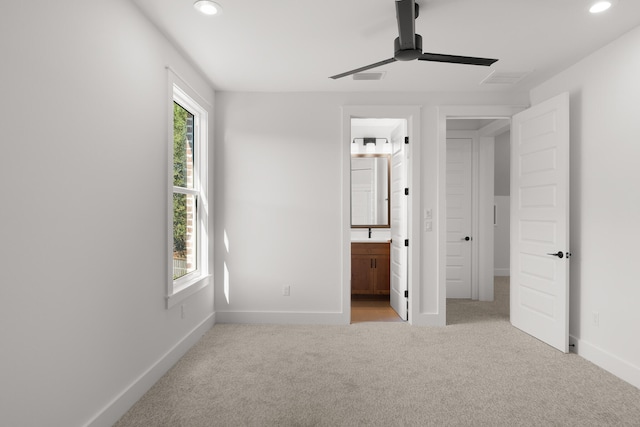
(474, 248)
(378, 219)
(410, 264)
(539, 252)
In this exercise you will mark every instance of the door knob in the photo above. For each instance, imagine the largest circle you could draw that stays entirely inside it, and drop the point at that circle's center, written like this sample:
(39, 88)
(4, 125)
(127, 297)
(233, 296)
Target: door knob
(559, 254)
(466, 238)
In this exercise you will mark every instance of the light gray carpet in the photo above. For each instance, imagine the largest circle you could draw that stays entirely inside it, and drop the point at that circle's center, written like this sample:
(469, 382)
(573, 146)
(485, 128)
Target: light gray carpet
(478, 370)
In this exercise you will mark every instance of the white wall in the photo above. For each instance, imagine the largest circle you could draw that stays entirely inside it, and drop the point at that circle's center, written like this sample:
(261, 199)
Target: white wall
(278, 197)
(83, 323)
(502, 179)
(605, 203)
(277, 202)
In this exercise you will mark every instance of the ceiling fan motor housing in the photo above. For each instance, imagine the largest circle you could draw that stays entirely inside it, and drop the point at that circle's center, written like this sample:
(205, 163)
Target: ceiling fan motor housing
(408, 54)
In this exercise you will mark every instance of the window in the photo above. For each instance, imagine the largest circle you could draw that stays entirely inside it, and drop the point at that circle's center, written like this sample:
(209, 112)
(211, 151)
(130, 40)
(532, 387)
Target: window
(188, 242)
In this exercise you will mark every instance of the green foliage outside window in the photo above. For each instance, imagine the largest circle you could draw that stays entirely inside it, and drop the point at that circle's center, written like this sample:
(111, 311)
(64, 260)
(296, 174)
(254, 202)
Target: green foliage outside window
(180, 140)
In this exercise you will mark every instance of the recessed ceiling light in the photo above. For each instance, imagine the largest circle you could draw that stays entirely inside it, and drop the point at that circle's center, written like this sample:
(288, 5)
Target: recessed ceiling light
(207, 7)
(601, 5)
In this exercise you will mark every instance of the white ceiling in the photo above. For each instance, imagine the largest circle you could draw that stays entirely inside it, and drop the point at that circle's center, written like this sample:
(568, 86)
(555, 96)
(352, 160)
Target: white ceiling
(295, 45)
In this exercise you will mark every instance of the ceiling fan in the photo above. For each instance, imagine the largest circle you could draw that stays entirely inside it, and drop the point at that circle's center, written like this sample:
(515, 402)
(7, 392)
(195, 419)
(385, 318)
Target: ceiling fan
(408, 46)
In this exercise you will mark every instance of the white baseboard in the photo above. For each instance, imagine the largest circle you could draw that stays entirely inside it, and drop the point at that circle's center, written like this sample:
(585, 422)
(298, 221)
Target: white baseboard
(502, 271)
(282, 318)
(607, 361)
(125, 400)
(428, 319)
(290, 318)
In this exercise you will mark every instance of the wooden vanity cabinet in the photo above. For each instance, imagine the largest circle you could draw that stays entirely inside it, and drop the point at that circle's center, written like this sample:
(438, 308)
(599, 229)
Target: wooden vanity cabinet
(370, 268)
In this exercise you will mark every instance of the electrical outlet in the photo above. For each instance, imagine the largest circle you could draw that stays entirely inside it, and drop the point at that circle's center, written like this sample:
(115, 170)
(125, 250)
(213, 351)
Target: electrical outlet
(286, 291)
(596, 318)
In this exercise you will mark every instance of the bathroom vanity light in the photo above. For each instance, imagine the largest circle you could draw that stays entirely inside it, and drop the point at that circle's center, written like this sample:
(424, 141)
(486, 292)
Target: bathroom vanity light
(373, 141)
(207, 7)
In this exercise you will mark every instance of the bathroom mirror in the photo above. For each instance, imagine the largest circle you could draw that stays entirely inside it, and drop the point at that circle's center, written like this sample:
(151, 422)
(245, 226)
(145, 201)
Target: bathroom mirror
(370, 182)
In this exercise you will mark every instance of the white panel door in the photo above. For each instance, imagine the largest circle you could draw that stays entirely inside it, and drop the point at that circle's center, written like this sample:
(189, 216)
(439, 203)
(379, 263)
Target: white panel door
(540, 222)
(399, 256)
(459, 154)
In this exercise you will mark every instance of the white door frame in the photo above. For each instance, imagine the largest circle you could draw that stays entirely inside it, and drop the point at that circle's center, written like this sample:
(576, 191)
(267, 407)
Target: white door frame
(412, 115)
(458, 112)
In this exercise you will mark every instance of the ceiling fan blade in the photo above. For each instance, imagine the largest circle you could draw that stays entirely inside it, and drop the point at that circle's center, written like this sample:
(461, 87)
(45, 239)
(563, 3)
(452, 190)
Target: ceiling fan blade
(367, 67)
(406, 16)
(454, 59)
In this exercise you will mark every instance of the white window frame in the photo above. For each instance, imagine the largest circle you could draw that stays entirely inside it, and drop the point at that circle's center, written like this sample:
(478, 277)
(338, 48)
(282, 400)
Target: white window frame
(187, 285)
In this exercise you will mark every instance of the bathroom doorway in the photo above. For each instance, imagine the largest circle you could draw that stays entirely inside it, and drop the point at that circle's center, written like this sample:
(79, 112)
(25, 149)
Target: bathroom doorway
(379, 257)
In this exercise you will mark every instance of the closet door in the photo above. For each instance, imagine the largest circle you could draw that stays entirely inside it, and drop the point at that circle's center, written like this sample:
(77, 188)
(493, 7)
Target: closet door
(459, 155)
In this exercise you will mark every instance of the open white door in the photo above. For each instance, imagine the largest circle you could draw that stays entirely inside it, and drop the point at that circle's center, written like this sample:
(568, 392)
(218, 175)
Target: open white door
(540, 222)
(399, 256)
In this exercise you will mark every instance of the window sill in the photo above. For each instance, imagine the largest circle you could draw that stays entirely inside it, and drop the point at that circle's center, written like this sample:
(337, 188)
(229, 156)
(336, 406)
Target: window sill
(188, 289)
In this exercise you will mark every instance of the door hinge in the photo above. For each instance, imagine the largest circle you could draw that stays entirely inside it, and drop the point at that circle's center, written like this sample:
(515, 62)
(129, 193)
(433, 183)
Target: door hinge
(406, 242)
(406, 139)
(406, 191)
(406, 294)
